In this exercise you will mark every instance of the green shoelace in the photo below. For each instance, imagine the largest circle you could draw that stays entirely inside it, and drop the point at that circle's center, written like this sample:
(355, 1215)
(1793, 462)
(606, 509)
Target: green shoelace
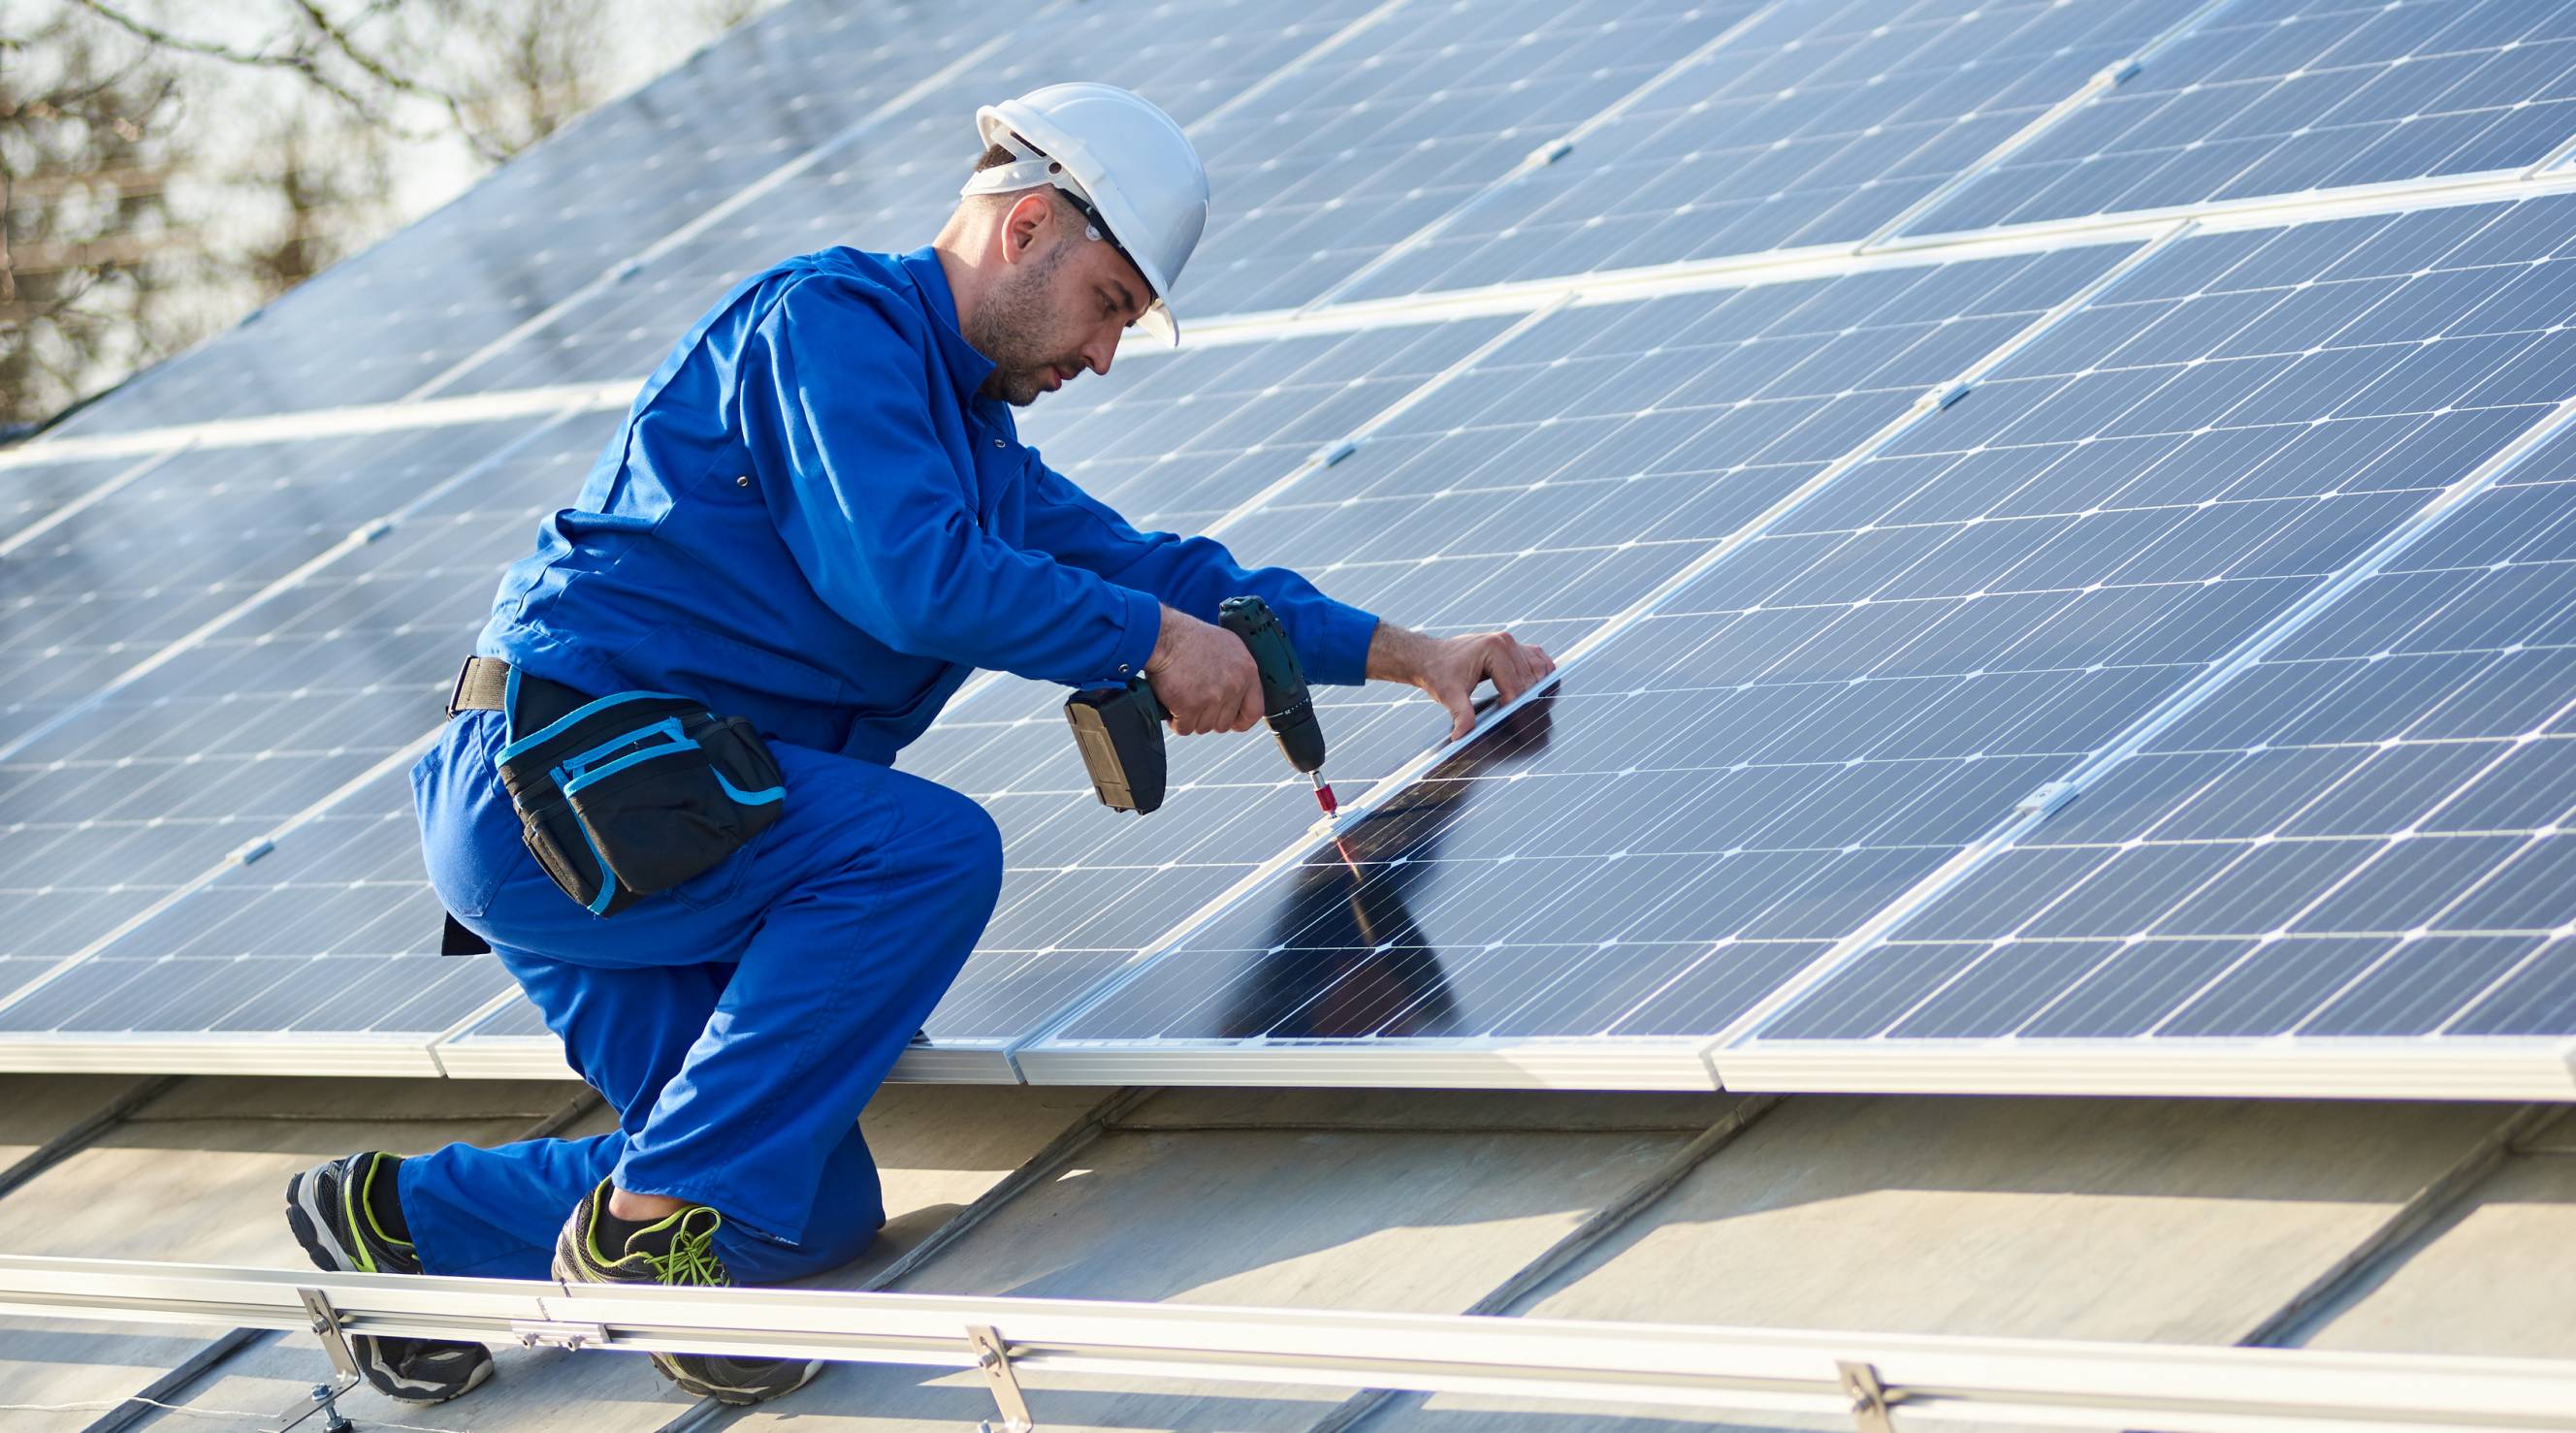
(692, 1260)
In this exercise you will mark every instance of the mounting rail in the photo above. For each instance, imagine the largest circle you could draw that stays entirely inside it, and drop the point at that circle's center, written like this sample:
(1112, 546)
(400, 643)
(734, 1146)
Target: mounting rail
(1879, 1381)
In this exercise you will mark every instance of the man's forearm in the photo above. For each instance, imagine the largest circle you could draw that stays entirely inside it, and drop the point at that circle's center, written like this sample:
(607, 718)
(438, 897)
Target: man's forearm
(1398, 654)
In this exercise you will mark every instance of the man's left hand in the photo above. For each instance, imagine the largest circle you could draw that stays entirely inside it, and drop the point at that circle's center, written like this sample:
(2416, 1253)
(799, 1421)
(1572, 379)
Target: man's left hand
(1449, 669)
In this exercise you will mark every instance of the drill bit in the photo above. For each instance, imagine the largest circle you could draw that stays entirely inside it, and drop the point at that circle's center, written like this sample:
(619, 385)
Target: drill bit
(1332, 808)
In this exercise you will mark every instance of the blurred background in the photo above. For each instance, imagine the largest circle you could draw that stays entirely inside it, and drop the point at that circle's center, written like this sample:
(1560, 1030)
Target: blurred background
(167, 166)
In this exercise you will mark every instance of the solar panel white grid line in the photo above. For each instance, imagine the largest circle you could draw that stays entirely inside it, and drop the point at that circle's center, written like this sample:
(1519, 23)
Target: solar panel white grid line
(2350, 93)
(2311, 752)
(1787, 137)
(2231, 528)
(1372, 735)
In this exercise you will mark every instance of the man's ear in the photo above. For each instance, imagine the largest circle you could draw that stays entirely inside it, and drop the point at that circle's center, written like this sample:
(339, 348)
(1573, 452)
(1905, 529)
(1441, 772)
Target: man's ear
(1027, 226)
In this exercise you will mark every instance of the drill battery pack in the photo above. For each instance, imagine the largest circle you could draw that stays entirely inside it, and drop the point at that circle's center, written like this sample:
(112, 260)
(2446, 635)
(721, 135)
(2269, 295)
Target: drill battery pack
(1119, 731)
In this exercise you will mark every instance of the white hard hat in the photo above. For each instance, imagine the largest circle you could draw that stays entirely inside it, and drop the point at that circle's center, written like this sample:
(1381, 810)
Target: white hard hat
(1126, 165)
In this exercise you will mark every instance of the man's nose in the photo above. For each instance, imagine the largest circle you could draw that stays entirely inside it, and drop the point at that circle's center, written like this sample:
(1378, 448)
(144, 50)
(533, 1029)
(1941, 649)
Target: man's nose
(1099, 351)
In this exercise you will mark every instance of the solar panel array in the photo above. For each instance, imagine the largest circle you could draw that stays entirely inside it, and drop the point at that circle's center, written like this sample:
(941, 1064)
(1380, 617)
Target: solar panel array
(2054, 513)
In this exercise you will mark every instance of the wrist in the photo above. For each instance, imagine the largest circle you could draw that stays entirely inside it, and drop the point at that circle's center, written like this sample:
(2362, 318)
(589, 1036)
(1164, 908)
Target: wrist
(1166, 636)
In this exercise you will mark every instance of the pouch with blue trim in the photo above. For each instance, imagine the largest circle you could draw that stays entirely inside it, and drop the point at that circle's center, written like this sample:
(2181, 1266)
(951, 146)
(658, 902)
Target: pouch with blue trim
(636, 792)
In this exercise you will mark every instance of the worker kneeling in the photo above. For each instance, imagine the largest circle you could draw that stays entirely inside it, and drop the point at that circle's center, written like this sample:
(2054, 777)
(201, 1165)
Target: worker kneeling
(665, 799)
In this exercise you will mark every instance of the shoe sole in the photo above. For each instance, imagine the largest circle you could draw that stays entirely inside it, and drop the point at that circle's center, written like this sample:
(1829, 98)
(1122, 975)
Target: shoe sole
(312, 1229)
(567, 1272)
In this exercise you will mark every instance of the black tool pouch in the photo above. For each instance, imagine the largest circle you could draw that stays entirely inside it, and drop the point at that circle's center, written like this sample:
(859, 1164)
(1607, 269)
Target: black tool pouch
(637, 792)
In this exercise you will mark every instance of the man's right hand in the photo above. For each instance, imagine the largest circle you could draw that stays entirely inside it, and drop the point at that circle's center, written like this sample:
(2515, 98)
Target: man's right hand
(1204, 676)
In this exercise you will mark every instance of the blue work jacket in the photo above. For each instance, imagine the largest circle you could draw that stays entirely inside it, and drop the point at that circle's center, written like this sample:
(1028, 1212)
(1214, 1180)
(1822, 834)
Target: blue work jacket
(811, 520)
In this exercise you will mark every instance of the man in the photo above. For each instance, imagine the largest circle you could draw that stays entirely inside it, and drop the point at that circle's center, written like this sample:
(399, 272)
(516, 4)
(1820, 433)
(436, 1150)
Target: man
(817, 518)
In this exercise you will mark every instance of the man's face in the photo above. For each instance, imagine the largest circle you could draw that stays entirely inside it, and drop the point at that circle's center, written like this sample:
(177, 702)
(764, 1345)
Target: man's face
(1058, 308)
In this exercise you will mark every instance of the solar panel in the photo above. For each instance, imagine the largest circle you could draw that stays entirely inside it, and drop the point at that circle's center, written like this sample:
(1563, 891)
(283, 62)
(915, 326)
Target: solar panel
(1746, 775)
(2357, 838)
(130, 802)
(1833, 635)
(1812, 124)
(2284, 96)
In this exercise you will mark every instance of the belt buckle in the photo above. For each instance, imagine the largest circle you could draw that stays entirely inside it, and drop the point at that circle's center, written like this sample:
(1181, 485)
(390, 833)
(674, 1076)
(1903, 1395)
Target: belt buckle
(456, 689)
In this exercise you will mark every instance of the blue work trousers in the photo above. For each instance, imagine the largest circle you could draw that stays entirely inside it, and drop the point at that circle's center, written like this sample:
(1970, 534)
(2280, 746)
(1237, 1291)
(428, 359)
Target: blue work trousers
(738, 1023)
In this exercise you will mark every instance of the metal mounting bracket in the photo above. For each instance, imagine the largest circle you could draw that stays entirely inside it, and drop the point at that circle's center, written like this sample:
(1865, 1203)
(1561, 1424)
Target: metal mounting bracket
(554, 1333)
(326, 1401)
(1868, 1396)
(326, 1326)
(994, 1357)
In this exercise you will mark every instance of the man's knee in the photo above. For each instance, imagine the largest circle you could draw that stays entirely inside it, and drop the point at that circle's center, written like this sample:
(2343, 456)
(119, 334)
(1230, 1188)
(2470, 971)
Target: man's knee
(955, 835)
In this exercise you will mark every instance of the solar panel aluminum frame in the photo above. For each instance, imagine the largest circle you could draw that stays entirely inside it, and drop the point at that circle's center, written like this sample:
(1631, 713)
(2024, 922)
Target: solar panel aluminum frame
(212, 1053)
(460, 1055)
(2285, 1067)
(1478, 1063)
(2392, 196)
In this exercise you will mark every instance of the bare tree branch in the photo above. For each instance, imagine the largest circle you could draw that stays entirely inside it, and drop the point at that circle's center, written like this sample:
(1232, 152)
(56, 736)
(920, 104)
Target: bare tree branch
(375, 69)
(301, 61)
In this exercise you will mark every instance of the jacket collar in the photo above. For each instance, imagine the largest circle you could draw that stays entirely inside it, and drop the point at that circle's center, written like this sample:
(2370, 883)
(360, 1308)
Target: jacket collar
(966, 368)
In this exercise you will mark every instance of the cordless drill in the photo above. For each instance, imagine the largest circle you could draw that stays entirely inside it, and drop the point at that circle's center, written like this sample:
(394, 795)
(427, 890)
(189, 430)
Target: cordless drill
(1119, 730)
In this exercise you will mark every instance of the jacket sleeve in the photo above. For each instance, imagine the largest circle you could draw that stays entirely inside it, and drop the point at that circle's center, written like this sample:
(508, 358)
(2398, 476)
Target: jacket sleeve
(1194, 574)
(873, 510)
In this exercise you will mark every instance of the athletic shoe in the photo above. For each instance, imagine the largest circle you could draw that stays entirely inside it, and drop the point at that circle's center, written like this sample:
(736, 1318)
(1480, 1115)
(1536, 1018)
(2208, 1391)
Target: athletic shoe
(328, 1208)
(678, 1250)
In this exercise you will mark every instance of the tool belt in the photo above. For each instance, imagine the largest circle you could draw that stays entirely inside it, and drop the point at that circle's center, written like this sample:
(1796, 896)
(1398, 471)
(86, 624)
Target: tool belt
(623, 795)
